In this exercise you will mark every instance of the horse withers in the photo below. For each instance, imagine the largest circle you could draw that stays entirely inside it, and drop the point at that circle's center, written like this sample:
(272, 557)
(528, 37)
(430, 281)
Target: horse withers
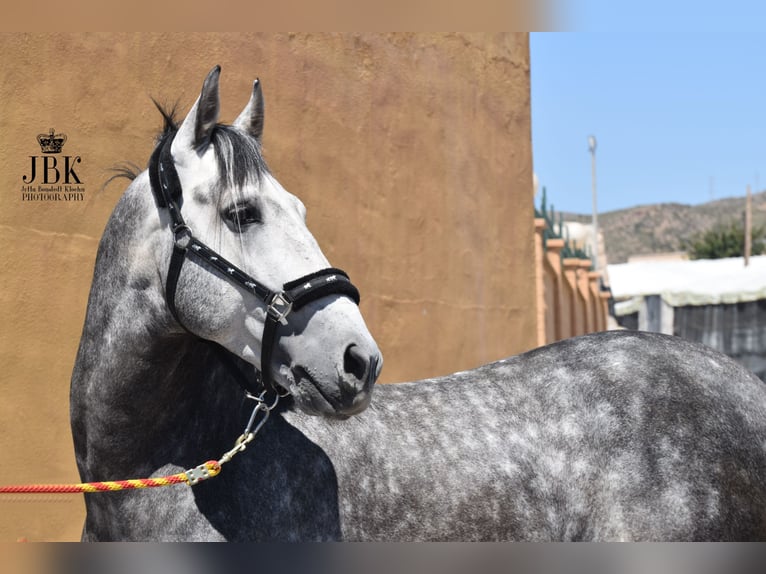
(199, 284)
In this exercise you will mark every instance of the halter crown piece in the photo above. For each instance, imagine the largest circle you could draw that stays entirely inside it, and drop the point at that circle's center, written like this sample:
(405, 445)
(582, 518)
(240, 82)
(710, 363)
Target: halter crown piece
(167, 191)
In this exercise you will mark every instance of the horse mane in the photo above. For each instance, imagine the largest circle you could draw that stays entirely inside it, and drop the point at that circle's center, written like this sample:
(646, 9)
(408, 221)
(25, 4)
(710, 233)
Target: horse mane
(239, 155)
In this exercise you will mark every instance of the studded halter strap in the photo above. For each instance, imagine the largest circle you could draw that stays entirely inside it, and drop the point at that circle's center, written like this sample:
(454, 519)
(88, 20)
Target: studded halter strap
(168, 193)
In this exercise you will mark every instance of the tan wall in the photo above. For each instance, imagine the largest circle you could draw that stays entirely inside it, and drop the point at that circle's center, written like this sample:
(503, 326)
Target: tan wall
(570, 301)
(411, 152)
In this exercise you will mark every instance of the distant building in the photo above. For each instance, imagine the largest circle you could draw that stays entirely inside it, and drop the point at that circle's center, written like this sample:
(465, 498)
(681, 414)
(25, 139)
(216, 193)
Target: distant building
(720, 303)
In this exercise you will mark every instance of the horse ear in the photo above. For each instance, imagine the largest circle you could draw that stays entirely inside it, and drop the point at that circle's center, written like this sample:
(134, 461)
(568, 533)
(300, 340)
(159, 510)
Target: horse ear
(251, 118)
(196, 129)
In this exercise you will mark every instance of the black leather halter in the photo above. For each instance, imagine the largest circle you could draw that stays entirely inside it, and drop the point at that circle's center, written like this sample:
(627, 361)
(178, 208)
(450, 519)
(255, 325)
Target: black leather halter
(167, 191)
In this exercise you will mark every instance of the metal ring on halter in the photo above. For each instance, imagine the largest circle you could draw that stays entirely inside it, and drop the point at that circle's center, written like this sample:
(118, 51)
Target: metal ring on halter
(182, 235)
(285, 392)
(262, 401)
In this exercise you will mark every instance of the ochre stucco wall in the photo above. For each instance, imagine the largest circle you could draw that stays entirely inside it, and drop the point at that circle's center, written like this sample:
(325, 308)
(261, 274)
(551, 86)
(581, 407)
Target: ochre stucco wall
(411, 151)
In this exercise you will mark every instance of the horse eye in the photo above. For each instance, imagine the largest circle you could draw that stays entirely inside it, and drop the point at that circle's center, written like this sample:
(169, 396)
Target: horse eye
(242, 215)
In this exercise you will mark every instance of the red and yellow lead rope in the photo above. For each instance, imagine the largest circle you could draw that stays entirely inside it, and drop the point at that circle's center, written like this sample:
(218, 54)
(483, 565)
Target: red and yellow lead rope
(192, 476)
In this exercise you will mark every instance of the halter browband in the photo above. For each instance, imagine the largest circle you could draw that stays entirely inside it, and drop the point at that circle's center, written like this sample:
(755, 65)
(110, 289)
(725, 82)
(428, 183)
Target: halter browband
(167, 191)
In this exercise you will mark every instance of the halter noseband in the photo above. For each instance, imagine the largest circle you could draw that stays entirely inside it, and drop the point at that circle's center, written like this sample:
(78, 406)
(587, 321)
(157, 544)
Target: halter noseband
(167, 191)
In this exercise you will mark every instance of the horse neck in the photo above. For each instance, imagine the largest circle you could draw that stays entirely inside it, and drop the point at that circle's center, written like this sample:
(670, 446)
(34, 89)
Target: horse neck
(143, 394)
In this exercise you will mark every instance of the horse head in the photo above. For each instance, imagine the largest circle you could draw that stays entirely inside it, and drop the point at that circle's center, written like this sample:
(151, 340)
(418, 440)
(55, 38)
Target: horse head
(230, 206)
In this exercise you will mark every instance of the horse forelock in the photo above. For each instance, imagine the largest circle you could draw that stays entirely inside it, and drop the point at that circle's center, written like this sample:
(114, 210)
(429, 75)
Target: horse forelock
(238, 155)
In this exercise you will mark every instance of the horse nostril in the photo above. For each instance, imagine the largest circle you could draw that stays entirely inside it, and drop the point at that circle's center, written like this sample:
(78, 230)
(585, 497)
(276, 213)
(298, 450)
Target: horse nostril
(354, 363)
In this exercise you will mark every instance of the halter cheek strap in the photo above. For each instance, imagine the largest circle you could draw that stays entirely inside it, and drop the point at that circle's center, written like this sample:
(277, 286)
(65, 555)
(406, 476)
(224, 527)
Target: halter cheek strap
(167, 191)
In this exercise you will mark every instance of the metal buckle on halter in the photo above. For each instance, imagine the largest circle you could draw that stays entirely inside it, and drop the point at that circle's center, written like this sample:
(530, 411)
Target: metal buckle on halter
(279, 307)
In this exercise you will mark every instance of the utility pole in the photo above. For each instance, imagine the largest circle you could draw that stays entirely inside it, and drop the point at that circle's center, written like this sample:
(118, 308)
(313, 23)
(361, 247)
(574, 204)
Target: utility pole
(748, 226)
(592, 148)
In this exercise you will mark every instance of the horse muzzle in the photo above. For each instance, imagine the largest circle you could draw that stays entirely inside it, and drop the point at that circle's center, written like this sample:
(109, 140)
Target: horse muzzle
(346, 393)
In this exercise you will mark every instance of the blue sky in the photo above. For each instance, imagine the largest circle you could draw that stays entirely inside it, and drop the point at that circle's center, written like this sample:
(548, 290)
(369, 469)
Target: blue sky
(678, 116)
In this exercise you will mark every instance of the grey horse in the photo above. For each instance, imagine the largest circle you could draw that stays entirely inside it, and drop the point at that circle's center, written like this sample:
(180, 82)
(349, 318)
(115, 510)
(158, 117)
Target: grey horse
(611, 436)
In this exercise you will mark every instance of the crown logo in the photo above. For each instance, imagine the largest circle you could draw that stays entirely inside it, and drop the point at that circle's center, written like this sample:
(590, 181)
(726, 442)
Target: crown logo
(51, 142)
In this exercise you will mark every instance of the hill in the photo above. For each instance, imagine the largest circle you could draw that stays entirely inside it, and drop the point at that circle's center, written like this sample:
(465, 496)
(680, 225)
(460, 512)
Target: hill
(662, 227)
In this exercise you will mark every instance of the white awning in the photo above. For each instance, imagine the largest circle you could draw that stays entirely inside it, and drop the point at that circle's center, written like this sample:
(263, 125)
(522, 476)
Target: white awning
(699, 282)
